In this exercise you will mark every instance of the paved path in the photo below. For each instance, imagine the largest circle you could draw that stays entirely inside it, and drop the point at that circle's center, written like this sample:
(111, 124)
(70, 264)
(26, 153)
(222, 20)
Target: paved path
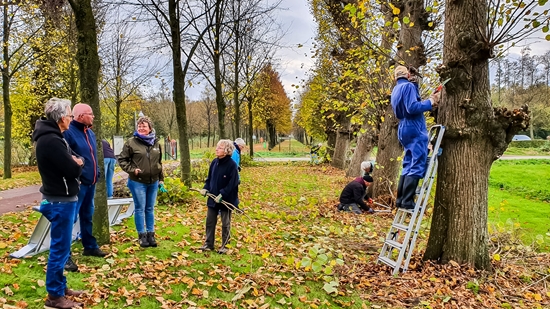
(524, 157)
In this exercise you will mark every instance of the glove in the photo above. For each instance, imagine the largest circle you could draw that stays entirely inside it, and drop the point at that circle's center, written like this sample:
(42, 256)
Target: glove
(203, 192)
(162, 189)
(370, 201)
(218, 198)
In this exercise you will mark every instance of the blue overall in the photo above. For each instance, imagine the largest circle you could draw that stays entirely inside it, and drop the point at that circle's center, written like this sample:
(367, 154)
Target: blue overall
(412, 133)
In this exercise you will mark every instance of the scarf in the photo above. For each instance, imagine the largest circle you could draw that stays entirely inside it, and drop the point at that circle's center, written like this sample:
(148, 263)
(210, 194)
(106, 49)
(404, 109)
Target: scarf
(148, 139)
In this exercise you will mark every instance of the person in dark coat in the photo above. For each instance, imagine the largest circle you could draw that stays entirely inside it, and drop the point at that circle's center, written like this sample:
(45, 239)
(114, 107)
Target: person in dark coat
(223, 182)
(354, 195)
(412, 133)
(60, 169)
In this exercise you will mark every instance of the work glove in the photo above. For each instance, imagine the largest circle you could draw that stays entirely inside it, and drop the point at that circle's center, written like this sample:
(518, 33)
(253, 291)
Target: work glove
(162, 189)
(203, 192)
(218, 198)
(370, 201)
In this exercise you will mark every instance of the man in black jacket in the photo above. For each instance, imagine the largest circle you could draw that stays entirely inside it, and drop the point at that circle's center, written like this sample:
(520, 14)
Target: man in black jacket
(60, 169)
(353, 196)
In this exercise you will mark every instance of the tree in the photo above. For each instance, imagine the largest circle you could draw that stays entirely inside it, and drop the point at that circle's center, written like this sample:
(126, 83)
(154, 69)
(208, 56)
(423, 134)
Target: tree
(474, 129)
(88, 63)
(16, 54)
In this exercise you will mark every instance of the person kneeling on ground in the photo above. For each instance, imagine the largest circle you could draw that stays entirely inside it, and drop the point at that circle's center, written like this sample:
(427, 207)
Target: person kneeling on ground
(351, 198)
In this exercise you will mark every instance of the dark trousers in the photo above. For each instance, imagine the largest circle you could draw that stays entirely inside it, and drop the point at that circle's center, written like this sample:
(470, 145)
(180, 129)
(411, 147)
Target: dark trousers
(61, 216)
(85, 211)
(211, 221)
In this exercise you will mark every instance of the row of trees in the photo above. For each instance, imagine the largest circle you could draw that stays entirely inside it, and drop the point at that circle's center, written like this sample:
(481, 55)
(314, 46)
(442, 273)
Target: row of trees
(525, 80)
(227, 44)
(347, 97)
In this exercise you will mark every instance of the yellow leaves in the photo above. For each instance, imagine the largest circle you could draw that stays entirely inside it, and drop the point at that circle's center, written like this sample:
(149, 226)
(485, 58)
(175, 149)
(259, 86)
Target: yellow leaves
(3, 245)
(395, 10)
(496, 257)
(265, 255)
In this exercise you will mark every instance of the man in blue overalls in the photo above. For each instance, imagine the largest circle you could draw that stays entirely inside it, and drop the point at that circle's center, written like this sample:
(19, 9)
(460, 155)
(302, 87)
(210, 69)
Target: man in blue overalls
(409, 108)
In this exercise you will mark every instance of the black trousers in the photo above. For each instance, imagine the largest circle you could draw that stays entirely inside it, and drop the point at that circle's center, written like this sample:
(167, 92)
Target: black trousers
(212, 220)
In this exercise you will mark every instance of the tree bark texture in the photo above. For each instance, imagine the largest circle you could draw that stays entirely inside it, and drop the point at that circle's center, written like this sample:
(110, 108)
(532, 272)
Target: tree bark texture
(365, 144)
(343, 137)
(476, 135)
(179, 93)
(8, 112)
(88, 63)
(389, 150)
(220, 103)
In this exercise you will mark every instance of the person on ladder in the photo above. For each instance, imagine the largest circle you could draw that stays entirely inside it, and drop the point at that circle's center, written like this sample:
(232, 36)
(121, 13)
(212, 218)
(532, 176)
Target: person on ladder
(409, 108)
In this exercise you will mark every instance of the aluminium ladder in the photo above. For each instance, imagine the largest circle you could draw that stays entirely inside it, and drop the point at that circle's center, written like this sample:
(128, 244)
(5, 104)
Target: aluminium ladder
(403, 232)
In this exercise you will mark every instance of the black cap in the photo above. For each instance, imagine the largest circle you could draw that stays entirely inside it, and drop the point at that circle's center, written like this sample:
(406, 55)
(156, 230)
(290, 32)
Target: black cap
(368, 178)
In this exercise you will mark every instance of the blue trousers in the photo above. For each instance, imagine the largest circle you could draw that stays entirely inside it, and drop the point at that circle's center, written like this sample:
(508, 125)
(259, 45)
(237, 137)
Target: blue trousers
(416, 151)
(145, 197)
(85, 211)
(109, 173)
(61, 216)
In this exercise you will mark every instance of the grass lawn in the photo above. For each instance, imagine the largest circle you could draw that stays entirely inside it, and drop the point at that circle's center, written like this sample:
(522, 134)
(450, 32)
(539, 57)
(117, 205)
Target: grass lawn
(21, 177)
(516, 151)
(291, 250)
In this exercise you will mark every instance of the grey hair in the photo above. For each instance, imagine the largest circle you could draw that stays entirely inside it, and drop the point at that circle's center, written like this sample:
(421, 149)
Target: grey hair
(57, 108)
(228, 147)
(239, 141)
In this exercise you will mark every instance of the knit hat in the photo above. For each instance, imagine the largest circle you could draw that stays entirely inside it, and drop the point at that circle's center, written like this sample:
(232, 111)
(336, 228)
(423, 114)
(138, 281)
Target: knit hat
(400, 71)
(239, 141)
(368, 178)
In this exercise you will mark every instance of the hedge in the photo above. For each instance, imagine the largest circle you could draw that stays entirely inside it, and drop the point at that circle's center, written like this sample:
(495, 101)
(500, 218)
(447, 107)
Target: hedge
(529, 144)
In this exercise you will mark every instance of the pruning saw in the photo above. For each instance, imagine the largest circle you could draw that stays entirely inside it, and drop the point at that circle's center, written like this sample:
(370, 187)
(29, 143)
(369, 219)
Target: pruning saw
(440, 87)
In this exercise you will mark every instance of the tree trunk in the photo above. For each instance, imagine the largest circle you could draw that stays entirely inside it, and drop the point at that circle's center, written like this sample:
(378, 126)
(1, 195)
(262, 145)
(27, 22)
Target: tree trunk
(179, 93)
(365, 144)
(474, 130)
(271, 135)
(88, 64)
(250, 127)
(342, 144)
(389, 149)
(220, 103)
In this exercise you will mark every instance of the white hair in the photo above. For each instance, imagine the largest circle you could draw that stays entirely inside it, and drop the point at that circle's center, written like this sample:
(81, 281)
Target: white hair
(57, 108)
(228, 147)
(366, 165)
(239, 141)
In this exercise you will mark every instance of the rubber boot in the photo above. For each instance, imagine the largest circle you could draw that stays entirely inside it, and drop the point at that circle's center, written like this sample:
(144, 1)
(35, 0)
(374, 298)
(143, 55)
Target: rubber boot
(409, 191)
(61, 303)
(151, 239)
(399, 200)
(143, 240)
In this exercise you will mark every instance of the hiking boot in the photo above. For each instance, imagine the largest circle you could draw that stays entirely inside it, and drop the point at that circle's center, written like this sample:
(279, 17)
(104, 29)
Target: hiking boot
(143, 240)
(206, 248)
(69, 292)
(61, 303)
(94, 252)
(151, 239)
(70, 265)
(223, 250)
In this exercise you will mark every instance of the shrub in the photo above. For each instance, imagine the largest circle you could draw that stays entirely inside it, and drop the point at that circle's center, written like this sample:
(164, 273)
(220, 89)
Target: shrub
(528, 144)
(177, 193)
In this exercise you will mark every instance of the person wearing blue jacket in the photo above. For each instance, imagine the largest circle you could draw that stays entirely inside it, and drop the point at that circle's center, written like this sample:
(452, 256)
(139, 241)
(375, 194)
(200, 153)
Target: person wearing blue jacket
(223, 182)
(409, 108)
(81, 139)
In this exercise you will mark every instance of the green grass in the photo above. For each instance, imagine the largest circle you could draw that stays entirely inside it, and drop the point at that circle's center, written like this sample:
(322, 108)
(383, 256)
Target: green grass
(20, 179)
(515, 151)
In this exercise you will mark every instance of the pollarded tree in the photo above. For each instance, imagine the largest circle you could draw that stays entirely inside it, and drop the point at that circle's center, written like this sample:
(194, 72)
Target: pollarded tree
(474, 128)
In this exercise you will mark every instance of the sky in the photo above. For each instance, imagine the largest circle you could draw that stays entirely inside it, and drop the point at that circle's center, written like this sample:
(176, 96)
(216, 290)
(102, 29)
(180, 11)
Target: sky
(292, 62)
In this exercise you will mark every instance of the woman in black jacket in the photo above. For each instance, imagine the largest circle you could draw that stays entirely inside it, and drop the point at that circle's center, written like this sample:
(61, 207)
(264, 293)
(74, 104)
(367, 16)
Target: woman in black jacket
(222, 181)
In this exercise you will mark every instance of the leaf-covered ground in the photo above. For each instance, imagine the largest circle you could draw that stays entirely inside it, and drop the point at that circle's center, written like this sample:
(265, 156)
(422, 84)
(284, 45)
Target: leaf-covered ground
(290, 250)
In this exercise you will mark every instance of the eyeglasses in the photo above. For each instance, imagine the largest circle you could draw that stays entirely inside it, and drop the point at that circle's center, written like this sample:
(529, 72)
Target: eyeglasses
(91, 114)
(70, 116)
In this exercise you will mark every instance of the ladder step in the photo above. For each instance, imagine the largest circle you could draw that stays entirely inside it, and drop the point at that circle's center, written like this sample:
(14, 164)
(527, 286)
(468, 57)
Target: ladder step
(394, 244)
(410, 211)
(387, 261)
(401, 227)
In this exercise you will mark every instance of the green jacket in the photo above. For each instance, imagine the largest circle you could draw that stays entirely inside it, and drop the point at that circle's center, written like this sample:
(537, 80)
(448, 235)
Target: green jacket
(136, 154)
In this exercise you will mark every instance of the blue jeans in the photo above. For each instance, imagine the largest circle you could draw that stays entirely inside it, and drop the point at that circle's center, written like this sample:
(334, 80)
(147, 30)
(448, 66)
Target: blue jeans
(61, 216)
(85, 211)
(145, 196)
(109, 173)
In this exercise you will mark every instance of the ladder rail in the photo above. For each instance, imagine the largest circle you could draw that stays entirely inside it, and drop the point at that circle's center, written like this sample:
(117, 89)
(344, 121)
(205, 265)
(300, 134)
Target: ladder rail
(406, 248)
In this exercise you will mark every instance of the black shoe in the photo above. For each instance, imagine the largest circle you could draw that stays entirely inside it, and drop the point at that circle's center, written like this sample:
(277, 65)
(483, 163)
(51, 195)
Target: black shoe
(206, 248)
(409, 191)
(143, 240)
(71, 266)
(151, 239)
(94, 252)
